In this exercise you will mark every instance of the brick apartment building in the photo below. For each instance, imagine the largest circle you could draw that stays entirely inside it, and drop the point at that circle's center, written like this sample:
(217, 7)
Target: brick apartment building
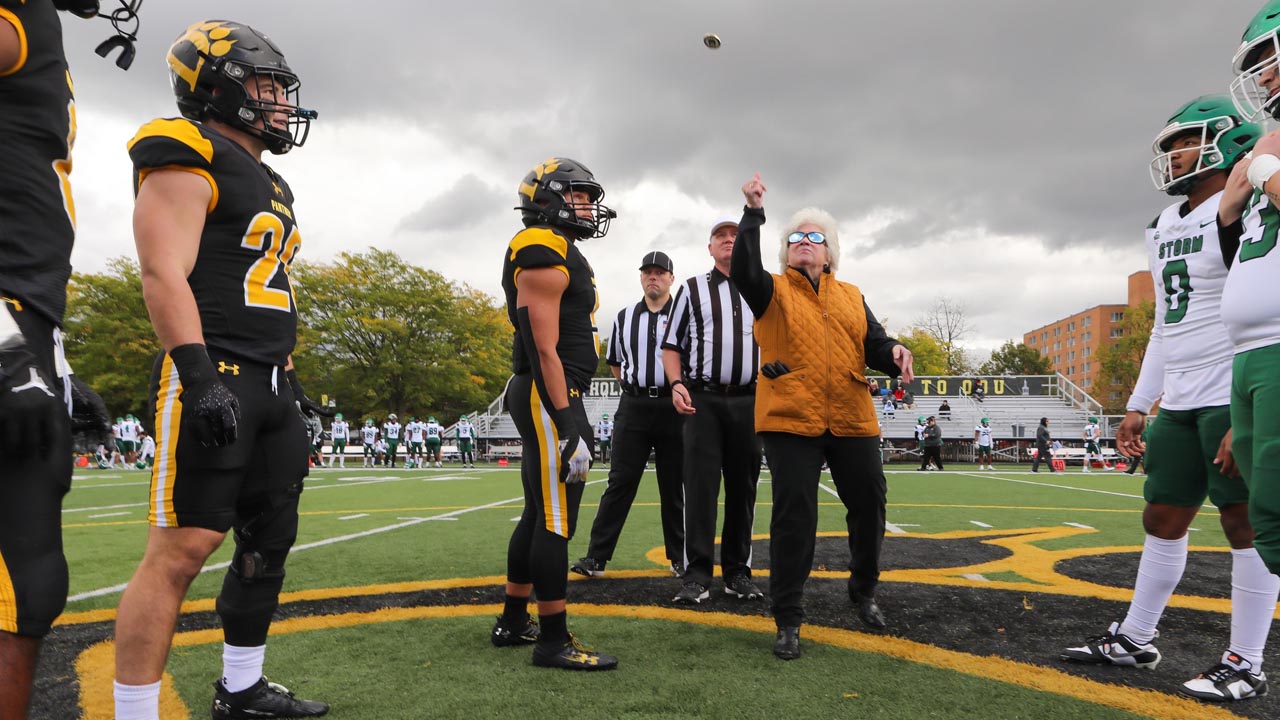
(1072, 343)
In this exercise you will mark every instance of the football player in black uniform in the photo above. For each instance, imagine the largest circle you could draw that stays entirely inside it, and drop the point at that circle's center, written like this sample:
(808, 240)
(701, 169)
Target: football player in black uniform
(37, 229)
(216, 234)
(551, 302)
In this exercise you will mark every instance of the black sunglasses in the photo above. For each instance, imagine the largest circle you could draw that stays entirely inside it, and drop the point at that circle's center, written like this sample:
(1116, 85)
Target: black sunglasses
(814, 237)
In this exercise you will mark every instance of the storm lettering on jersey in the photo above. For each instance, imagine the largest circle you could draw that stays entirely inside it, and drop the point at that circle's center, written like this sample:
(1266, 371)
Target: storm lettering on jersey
(1181, 246)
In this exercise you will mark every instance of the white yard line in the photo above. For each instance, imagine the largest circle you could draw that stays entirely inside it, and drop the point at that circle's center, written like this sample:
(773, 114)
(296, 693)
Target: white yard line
(353, 517)
(114, 514)
(102, 507)
(975, 576)
(330, 541)
(980, 524)
(1060, 487)
(895, 529)
(1080, 525)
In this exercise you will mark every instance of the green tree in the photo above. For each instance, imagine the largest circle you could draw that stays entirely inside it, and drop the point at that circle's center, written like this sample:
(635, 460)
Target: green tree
(928, 357)
(108, 336)
(381, 335)
(947, 321)
(1017, 359)
(1121, 361)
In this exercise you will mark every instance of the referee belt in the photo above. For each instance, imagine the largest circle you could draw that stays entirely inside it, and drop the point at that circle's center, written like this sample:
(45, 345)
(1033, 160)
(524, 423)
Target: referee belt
(651, 392)
(719, 389)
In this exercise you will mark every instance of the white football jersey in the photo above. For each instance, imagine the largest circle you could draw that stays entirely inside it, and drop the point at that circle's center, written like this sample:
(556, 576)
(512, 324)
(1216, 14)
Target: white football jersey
(433, 430)
(391, 431)
(606, 430)
(338, 430)
(415, 430)
(1251, 300)
(984, 435)
(1189, 355)
(1091, 432)
(465, 430)
(129, 430)
(369, 434)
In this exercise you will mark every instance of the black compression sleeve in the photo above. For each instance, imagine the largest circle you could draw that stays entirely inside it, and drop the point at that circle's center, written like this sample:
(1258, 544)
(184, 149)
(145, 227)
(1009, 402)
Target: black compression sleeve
(746, 268)
(1229, 240)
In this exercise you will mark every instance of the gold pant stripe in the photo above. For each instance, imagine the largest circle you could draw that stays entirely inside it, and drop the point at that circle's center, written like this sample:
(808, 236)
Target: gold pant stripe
(553, 495)
(8, 600)
(168, 415)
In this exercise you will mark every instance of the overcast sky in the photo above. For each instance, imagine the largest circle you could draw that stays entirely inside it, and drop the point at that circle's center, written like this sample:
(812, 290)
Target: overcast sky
(992, 150)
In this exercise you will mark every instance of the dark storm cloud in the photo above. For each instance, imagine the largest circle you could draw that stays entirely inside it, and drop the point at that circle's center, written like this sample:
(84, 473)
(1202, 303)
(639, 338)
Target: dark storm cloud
(466, 204)
(1016, 117)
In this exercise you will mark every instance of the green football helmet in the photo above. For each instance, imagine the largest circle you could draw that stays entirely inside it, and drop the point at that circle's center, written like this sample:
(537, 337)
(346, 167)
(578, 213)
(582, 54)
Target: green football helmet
(1224, 137)
(431, 418)
(604, 416)
(338, 416)
(985, 421)
(1247, 91)
(920, 420)
(141, 464)
(1093, 419)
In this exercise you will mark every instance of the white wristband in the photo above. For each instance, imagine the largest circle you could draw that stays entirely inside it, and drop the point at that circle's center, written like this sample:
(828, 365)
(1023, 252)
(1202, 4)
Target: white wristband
(1262, 168)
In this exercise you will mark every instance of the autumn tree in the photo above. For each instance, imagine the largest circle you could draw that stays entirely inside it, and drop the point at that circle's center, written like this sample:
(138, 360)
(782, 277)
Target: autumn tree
(1016, 359)
(948, 323)
(928, 357)
(1121, 361)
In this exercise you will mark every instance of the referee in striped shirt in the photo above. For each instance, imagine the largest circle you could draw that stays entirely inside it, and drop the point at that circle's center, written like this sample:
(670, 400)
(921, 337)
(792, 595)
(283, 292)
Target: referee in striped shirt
(646, 421)
(710, 356)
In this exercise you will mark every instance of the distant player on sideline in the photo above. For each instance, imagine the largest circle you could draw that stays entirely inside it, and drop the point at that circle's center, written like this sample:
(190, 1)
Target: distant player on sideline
(339, 433)
(369, 436)
(1187, 368)
(434, 436)
(605, 432)
(415, 433)
(982, 438)
(391, 430)
(465, 434)
(1092, 436)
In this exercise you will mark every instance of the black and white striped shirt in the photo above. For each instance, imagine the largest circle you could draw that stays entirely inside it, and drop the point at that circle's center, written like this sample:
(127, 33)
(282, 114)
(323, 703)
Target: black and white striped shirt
(711, 326)
(635, 345)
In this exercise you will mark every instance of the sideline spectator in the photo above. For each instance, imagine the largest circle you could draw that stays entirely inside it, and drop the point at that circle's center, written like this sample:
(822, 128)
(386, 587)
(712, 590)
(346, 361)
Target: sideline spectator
(931, 445)
(1043, 452)
(944, 411)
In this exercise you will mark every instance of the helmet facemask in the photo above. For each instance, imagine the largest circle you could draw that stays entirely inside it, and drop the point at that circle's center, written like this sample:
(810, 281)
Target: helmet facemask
(594, 223)
(275, 93)
(1248, 93)
(1209, 156)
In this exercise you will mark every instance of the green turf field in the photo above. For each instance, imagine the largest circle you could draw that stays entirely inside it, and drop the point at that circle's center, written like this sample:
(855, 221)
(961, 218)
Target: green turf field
(404, 567)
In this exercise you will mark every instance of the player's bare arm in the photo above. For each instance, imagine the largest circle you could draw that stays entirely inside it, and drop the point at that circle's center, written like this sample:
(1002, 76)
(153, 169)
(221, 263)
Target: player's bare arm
(10, 47)
(168, 219)
(539, 291)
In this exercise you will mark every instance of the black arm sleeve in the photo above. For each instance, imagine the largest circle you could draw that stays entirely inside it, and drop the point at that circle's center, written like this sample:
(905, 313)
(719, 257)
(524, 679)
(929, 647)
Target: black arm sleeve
(746, 269)
(878, 346)
(1229, 239)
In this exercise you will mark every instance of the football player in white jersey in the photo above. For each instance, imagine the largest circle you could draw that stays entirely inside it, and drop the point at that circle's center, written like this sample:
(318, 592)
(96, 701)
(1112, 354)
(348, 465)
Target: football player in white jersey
(1187, 368)
(369, 436)
(339, 433)
(391, 433)
(982, 438)
(435, 434)
(1093, 443)
(415, 432)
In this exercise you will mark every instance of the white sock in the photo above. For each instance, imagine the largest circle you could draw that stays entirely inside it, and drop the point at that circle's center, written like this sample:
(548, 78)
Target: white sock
(1253, 604)
(137, 702)
(241, 666)
(1158, 574)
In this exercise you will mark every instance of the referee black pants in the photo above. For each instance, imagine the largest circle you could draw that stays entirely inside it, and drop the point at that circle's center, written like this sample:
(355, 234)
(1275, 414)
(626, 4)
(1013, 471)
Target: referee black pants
(933, 453)
(795, 464)
(720, 436)
(643, 424)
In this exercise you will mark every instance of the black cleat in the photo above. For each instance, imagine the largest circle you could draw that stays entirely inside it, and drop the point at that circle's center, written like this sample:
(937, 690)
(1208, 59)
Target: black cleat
(691, 593)
(588, 567)
(505, 636)
(787, 645)
(571, 655)
(263, 699)
(741, 587)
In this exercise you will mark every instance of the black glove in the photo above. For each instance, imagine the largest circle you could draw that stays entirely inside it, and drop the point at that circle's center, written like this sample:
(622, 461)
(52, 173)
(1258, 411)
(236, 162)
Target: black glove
(774, 369)
(209, 409)
(28, 405)
(575, 448)
(308, 407)
(89, 414)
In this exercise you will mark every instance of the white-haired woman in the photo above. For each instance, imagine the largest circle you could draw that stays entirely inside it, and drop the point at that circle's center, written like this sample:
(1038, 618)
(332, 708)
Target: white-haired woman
(817, 337)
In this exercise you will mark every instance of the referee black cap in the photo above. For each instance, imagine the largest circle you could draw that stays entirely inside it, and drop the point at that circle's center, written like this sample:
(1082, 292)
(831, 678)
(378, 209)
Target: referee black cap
(657, 258)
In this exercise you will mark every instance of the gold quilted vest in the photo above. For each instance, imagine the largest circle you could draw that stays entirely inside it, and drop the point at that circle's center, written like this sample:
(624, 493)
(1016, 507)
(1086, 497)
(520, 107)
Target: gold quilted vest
(820, 336)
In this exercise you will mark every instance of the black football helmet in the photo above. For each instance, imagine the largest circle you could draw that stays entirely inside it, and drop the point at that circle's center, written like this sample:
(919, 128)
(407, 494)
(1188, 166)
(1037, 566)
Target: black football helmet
(209, 66)
(545, 199)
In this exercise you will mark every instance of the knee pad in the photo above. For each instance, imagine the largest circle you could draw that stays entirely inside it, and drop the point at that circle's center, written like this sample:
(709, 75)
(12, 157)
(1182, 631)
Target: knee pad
(40, 592)
(251, 589)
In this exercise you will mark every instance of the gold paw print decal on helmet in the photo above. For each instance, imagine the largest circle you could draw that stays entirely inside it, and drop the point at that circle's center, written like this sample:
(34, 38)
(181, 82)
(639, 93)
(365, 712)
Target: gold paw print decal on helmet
(208, 38)
(547, 166)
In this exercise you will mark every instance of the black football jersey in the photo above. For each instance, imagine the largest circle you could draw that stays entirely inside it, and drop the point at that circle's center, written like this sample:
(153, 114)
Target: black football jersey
(37, 130)
(579, 346)
(241, 275)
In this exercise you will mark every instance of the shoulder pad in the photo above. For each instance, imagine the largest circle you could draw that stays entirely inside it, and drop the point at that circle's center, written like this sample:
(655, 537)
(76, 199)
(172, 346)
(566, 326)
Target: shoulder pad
(538, 247)
(167, 142)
